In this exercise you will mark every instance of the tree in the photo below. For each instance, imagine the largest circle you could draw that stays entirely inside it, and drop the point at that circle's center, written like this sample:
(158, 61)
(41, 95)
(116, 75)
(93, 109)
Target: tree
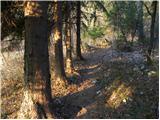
(140, 20)
(59, 63)
(123, 17)
(153, 17)
(69, 64)
(78, 43)
(37, 94)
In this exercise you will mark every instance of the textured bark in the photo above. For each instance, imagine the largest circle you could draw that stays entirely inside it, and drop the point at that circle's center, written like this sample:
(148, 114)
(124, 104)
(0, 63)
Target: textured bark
(69, 64)
(78, 43)
(153, 17)
(36, 62)
(59, 63)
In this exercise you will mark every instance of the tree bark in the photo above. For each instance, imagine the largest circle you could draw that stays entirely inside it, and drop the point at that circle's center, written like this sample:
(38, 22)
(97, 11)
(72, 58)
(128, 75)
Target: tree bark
(59, 62)
(140, 20)
(37, 94)
(69, 64)
(78, 43)
(153, 16)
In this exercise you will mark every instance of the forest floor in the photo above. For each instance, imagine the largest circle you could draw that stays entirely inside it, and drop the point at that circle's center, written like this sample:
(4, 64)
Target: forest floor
(111, 84)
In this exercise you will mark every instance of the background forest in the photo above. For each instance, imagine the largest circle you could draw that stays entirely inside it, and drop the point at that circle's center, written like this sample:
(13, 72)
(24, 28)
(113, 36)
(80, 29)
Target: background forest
(80, 59)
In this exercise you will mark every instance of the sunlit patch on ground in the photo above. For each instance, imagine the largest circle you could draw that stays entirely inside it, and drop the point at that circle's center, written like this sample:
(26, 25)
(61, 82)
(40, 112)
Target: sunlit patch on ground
(11, 97)
(82, 112)
(59, 87)
(119, 95)
(93, 66)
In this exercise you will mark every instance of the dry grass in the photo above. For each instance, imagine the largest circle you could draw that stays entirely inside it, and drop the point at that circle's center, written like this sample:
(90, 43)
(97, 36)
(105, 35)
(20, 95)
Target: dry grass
(12, 83)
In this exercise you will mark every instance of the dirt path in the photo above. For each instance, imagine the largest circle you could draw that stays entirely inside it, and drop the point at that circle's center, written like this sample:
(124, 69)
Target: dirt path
(112, 86)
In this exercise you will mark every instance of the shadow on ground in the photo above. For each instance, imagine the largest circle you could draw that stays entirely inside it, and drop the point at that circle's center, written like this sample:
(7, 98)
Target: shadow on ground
(115, 90)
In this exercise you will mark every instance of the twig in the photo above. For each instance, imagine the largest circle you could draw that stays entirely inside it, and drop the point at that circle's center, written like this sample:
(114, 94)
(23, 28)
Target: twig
(147, 9)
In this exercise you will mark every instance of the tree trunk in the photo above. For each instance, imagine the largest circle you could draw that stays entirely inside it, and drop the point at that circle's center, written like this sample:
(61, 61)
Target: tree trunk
(153, 16)
(37, 94)
(59, 62)
(140, 20)
(69, 64)
(78, 43)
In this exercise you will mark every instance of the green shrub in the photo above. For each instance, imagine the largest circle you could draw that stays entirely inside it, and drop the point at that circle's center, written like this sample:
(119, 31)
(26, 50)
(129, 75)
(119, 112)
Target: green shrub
(96, 32)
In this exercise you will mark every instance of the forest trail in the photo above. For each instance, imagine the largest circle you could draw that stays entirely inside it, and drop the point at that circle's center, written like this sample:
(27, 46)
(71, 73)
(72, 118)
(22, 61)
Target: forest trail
(106, 75)
(103, 93)
(42, 66)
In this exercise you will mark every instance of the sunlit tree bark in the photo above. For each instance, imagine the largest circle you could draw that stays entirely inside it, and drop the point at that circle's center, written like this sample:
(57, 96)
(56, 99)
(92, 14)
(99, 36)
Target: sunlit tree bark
(69, 64)
(59, 63)
(37, 94)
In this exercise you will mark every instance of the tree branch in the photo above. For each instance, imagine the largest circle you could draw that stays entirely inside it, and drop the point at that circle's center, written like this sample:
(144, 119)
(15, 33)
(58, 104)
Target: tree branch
(100, 5)
(147, 9)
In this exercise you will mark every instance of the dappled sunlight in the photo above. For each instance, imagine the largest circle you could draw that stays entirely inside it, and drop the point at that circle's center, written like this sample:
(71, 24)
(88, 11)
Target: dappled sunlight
(119, 95)
(68, 66)
(32, 9)
(27, 106)
(80, 60)
(56, 35)
(119, 58)
(83, 111)
(59, 87)
(93, 66)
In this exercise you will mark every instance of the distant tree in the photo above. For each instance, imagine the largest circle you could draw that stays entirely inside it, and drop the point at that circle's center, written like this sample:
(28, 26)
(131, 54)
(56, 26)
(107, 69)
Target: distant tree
(37, 87)
(152, 13)
(140, 20)
(123, 17)
(78, 45)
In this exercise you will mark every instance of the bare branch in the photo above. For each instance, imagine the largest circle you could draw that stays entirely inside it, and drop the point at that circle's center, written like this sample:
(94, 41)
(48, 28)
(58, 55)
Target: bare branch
(147, 9)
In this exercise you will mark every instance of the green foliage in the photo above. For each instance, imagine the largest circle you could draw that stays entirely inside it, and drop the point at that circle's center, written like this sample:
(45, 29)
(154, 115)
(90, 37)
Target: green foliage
(96, 32)
(123, 16)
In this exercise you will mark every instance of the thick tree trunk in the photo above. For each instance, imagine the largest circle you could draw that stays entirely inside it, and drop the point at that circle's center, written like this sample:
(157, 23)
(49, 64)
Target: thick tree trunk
(153, 16)
(37, 95)
(78, 43)
(59, 63)
(69, 64)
